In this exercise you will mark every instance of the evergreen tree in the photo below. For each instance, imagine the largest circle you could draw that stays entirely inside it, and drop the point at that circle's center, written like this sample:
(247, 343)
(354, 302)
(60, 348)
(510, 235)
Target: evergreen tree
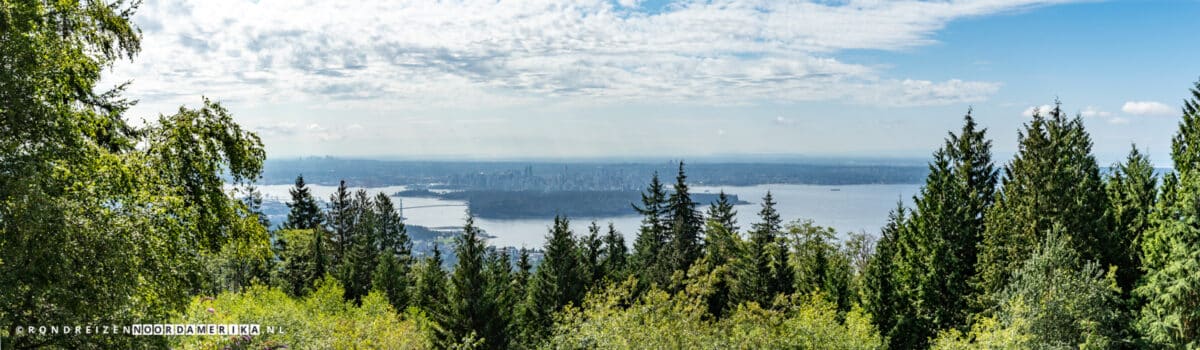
(723, 213)
(1053, 180)
(590, 249)
(939, 251)
(394, 261)
(685, 226)
(651, 241)
(304, 212)
(880, 297)
(301, 261)
(340, 221)
(721, 253)
(764, 271)
(362, 250)
(470, 313)
(391, 276)
(1170, 317)
(614, 256)
(429, 285)
(556, 283)
(1131, 189)
(501, 290)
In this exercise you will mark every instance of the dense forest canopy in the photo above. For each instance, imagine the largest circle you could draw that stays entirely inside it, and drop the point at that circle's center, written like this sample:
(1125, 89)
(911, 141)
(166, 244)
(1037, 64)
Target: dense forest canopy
(106, 223)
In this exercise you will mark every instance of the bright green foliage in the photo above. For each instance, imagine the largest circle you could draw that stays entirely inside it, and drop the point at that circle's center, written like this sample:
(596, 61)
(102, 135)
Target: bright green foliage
(614, 258)
(685, 225)
(1170, 316)
(428, 292)
(820, 263)
(763, 270)
(304, 211)
(556, 283)
(987, 333)
(879, 295)
(1053, 181)
(1055, 301)
(1131, 190)
(659, 320)
(133, 212)
(470, 312)
(722, 251)
(651, 243)
(320, 321)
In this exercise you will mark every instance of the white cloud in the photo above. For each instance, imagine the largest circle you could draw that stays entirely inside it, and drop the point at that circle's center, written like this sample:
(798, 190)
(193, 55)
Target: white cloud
(1146, 108)
(386, 55)
(1043, 109)
(1091, 112)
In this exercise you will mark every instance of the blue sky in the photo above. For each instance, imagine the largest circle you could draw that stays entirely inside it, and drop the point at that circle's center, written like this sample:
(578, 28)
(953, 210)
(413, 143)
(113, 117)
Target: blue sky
(628, 78)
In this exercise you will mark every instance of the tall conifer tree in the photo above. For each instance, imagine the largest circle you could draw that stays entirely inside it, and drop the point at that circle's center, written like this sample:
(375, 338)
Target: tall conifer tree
(686, 225)
(880, 297)
(304, 212)
(939, 248)
(556, 282)
(470, 313)
(1131, 190)
(651, 240)
(1053, 180)
(1170, 317)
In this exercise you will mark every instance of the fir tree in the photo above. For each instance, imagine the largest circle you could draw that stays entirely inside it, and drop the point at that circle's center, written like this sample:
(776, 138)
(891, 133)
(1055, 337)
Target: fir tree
(939, 251)
(362, 247)
(340, 220)
(723, 213)
(556, 283)
(614, 257)
(685, 225)
(1170, 316)
(470, 313)
(429, 285)
(1053, 180)
(590, 249)
(880, 297)
(764, 271)
(501, 290)
(651, 241)
(304, 212)
(1131, 189)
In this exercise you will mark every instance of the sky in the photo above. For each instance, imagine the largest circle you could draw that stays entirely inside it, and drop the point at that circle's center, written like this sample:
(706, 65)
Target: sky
(465, 79)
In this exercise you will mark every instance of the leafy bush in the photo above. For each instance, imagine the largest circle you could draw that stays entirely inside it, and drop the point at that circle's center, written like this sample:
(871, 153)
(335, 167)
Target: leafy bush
(612, 319)
(322, 320)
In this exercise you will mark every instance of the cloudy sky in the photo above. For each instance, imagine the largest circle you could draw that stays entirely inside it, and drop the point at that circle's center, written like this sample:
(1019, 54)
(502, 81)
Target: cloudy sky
(629, 78)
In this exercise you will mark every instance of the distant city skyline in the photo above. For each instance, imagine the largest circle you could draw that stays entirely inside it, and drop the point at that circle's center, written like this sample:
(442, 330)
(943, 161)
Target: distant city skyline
(665, 79)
